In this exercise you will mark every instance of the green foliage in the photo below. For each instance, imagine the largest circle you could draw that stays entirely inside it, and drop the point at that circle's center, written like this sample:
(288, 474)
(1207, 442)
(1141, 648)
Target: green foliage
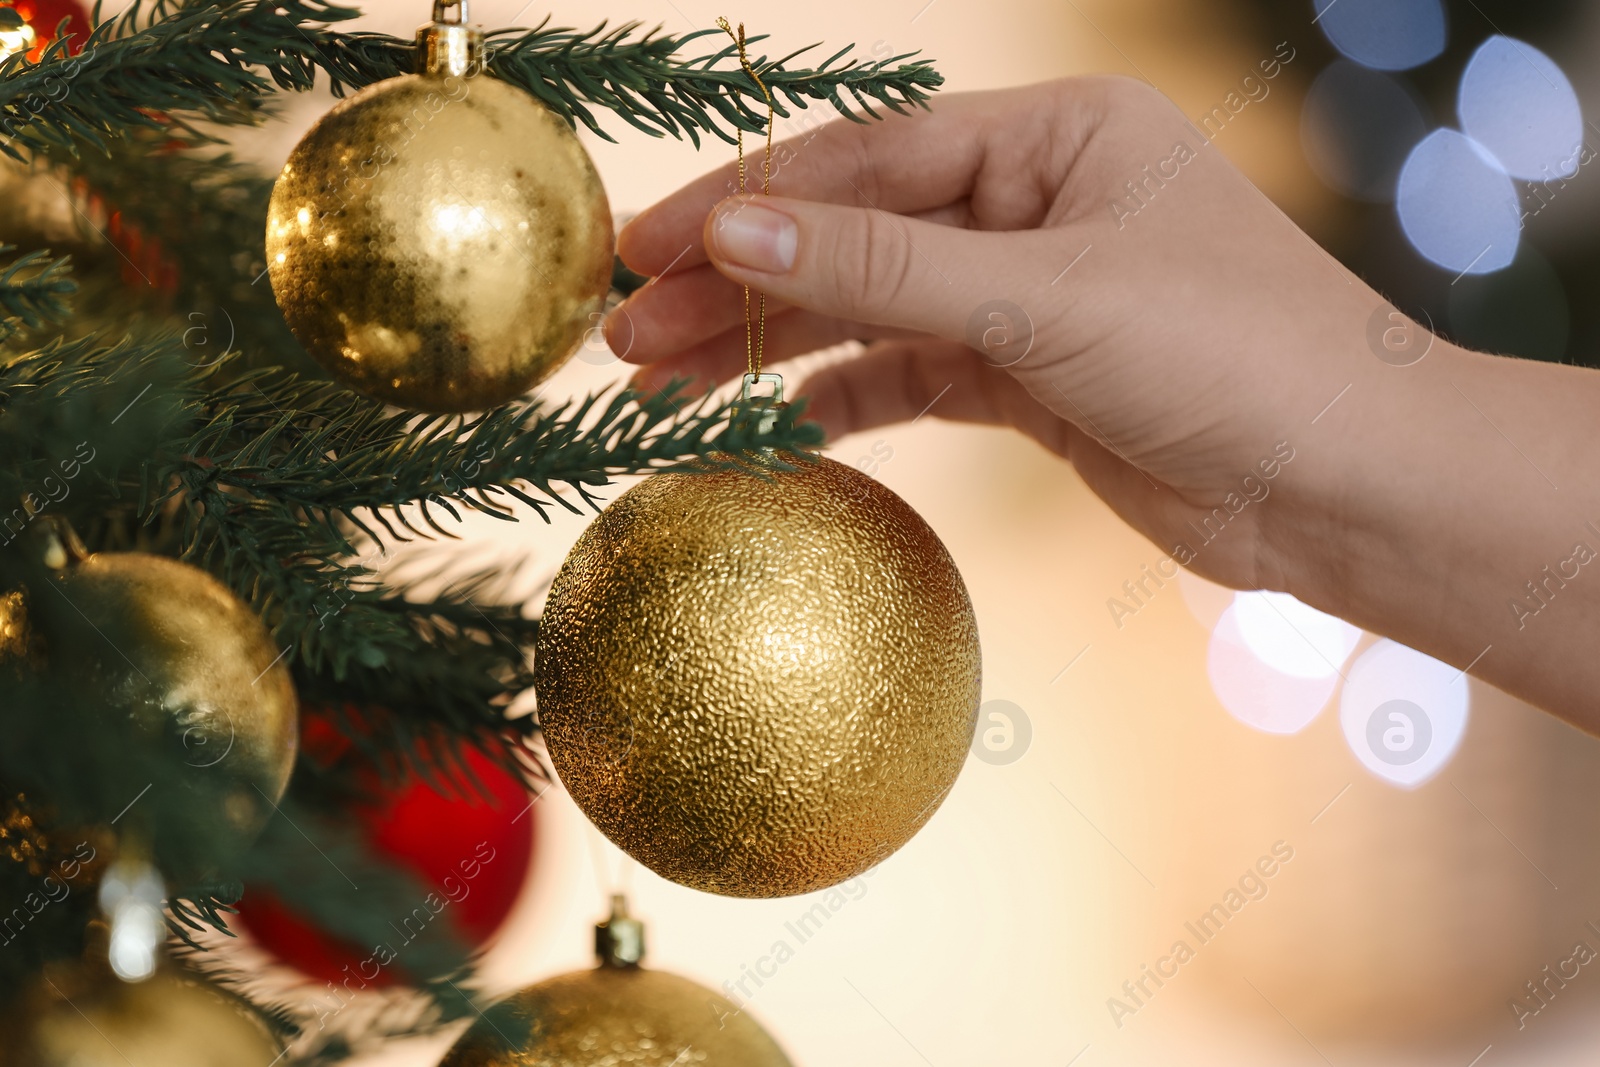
(207, 213)
(216, 61)
(276, 485)
(33, 289)
(221, 61)
(175, 414)
(635, 76)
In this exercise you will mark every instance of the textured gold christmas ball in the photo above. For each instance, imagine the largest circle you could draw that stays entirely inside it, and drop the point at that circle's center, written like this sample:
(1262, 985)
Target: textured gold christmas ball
(440, 243)
(195, 680)
(758, 685)
(620, 1017)
(168, 1021)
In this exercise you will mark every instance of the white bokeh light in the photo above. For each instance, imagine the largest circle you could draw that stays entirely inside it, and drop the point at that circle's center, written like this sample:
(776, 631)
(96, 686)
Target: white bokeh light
(1253, 692)
(1519, 105)
(1458, 206)
(132, 898)
(1384, 34)
(1403, 713)
(1291, 637)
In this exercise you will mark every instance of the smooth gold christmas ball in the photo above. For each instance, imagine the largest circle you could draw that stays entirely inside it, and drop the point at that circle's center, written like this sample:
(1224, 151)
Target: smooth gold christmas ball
(619, 1017)
(758, 684)
(440, 242)
(168, 1021)
(192, 686)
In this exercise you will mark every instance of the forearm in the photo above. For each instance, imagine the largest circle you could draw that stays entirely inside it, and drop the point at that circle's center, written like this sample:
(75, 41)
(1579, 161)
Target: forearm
(1456, 508)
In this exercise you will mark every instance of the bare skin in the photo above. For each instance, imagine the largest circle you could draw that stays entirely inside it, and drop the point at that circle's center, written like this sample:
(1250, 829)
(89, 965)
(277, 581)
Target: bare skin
(1174, 350)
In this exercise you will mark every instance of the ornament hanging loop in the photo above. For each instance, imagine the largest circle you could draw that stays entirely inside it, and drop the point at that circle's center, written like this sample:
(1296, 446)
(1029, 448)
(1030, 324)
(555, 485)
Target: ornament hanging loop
(449, 46)
(755, 381)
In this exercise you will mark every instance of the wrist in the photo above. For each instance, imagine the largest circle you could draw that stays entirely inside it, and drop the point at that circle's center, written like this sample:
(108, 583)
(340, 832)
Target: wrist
(1364, 490)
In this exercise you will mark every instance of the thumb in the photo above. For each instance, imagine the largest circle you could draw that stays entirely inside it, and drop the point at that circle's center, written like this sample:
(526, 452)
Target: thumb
(865, 265)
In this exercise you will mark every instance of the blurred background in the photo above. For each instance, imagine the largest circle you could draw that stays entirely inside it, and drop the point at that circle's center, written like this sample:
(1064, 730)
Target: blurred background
(1363, 854)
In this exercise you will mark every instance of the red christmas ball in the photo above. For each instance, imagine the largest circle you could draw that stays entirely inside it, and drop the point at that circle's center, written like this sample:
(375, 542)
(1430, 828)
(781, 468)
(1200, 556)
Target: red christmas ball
(475, 855)
(43, 18)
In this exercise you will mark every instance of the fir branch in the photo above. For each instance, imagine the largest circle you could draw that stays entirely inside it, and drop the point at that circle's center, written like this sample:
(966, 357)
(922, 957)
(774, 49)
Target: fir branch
(272, 483)
(636, 76)
(220, 61)
(77, 421)
(201, 216)
(281, 474)
(315, 446)
(33, 289)
(214, 61)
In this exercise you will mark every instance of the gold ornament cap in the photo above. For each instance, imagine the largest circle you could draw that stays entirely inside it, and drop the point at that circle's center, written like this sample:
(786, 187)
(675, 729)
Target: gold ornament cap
(763, 409)
(619, 940)
(449, 46)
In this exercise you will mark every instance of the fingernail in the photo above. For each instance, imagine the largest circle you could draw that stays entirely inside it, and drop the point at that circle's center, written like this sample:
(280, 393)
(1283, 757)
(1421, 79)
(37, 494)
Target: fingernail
(758, 238)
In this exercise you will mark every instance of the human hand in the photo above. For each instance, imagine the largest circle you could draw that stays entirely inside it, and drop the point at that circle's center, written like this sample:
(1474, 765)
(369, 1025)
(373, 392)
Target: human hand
(1181, 342)
(1169, 346)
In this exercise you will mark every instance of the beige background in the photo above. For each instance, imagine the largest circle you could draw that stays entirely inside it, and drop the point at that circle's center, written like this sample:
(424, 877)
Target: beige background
(1406, 920)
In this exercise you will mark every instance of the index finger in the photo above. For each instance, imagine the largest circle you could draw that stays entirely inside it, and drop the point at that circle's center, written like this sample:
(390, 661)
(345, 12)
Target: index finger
(903, 164)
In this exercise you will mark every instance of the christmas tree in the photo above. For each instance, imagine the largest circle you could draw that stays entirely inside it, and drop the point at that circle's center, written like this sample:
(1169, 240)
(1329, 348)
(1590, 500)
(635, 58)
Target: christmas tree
(154, 403)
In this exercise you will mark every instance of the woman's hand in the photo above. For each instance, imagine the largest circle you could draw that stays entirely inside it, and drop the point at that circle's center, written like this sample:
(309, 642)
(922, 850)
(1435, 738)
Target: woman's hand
(1076, 260)
(1137, 305)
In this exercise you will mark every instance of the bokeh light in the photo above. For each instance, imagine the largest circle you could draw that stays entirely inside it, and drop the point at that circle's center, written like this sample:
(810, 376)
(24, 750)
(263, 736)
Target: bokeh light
(1253, 692)
(1519, 105)
(1458, 206)
(1291, 637)
(1357, 128)
(1403, 713)
(18, 40)
(1384, 34)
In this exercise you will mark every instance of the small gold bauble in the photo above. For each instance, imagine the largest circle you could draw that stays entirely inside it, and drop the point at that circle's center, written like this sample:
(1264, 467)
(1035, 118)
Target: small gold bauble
(90, 1019)
(196, 685)
(622, 1017)
(440, 242)
(758, 684)
(618, 1015)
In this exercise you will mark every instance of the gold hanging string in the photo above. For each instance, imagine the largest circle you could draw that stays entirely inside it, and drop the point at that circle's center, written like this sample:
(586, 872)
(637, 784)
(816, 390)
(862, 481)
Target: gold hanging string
(755, 338)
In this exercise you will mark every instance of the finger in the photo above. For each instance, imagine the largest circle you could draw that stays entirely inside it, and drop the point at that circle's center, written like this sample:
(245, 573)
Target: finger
(905, 381)
(677, 312)
(870, 266)
(904, 163)
(687, 306)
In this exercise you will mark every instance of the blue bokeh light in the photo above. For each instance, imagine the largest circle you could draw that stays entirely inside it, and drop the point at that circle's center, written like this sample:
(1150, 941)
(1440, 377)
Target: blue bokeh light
(1457, 205)
(1519, 105)
(1384, 34)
